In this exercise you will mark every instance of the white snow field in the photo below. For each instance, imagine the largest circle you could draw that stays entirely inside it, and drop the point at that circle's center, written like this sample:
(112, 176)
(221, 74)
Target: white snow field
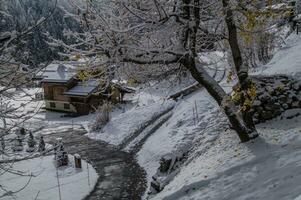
(219, 167)
(39, 180)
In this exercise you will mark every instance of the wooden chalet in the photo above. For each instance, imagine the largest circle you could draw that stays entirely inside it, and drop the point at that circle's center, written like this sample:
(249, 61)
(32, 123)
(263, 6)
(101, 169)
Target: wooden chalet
(64, 92)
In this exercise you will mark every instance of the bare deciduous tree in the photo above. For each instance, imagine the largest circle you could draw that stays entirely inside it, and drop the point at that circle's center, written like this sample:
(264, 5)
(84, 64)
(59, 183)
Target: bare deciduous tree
(164, 33)
(14, 77)
(169, 35)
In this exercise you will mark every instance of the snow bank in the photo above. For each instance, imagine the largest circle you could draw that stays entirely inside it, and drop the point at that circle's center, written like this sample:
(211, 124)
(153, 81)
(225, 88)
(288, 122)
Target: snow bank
(224, 168)
(178, 133)
(207, 157)
(75, 184)
(124, 125)
(283, 130)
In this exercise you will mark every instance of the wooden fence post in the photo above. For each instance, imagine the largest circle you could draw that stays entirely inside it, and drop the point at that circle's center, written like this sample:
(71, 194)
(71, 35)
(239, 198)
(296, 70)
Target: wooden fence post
(77, 161)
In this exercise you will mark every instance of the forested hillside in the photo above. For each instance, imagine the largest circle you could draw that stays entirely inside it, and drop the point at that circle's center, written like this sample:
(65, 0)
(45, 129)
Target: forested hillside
(19, 15)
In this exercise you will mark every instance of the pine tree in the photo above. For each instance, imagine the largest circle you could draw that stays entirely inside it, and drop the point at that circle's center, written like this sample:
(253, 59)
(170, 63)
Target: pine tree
(41, 147)
(31, 143)
(18, 146)
(61, 155)
(22, 131)
(2, 144)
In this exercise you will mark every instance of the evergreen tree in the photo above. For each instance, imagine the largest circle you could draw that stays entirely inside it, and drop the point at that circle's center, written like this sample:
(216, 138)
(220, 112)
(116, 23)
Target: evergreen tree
(2, 144)
(61, 155)
(22, 131)
(41, 147)
(18, 146)
(31, 143)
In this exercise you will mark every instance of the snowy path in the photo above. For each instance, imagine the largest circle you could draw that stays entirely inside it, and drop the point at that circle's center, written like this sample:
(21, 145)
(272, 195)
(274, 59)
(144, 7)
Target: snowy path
(120, 177)
(134, 143)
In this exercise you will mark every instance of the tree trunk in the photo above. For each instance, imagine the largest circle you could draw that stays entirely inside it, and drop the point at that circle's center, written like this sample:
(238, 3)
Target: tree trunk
(191, 12)
(216, 91)
(241, 70)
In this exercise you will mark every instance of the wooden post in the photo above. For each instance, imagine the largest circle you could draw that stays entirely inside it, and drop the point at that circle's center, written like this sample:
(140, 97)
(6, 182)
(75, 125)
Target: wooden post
(196, 112)
(193, 115)
(88, 174)
(77, 161)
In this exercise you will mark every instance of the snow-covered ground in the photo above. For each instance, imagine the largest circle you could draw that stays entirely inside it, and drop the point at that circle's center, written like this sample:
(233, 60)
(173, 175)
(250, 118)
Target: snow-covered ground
(176, 134)
(74, 183)
(287, 60)
(10, 155)
(39, 180)
(218, 165)
(268, 168)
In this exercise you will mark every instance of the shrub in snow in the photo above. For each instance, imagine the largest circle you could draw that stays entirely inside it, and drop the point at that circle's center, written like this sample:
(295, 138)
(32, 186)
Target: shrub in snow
(31, 143)
(41, 146)
(18, 145)
(60, 154)
(102, 117)
(169, 167)
(22, 131)
(166, 162)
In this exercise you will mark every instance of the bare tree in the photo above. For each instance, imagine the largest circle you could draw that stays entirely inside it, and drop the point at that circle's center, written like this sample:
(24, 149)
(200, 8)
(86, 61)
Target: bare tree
(170, 35)
(162, 33)
(14, 77)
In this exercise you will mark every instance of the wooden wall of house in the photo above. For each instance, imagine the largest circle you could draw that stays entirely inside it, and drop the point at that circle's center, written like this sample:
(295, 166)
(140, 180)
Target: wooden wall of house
(82, 108)
(48, 91)
(80, 103)
(55, 92)
(58, 93)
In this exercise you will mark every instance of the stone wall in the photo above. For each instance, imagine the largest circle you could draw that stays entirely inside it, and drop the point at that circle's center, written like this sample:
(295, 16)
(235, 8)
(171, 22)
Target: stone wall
(275, 94)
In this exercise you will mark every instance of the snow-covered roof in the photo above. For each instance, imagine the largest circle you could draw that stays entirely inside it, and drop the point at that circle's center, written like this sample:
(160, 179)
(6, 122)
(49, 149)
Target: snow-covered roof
(83, 88)
(57, 73)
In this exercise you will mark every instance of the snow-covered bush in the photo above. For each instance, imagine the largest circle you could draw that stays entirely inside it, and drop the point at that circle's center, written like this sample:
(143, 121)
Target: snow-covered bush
(169, 167)
(42, 145)
(102, 117)
(60, 154)
(18, 144)
(2, 144)
(31, 143)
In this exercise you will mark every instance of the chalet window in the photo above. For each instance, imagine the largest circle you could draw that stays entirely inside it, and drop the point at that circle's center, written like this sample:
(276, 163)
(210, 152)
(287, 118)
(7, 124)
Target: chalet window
(52, 104)
(67, 106)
